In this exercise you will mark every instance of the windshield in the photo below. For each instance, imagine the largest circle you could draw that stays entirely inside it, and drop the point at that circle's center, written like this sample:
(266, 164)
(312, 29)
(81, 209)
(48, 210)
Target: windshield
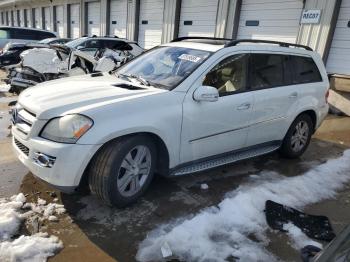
(164, 67)
(75, 43)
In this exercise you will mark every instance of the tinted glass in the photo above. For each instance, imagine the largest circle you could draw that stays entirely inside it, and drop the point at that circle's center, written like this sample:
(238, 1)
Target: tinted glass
(229, 76)
(305, 70)
(267, 70)
(117, 45)
(43, 35)
(93, 44)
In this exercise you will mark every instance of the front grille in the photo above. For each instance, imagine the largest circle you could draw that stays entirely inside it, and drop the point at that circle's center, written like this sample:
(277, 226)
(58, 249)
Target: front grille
(23, 120)
(22, 147)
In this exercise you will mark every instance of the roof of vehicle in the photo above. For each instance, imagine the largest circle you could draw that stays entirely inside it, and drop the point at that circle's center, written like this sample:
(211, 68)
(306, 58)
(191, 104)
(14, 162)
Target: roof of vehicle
(215, 44)
(26, 28)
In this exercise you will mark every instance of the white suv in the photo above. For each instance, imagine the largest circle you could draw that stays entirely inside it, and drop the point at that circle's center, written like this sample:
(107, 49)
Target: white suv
(180, 108)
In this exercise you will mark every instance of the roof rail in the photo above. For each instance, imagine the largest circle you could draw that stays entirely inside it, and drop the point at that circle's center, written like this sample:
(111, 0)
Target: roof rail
(208, 40)
(283, 44)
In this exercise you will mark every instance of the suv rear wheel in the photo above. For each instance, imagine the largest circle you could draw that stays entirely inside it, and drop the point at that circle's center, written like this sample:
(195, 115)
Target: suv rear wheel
(123, 170)
(298, 137)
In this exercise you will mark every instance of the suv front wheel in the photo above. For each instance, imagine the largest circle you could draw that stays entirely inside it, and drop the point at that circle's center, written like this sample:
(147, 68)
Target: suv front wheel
(298, 137)
(123, 170)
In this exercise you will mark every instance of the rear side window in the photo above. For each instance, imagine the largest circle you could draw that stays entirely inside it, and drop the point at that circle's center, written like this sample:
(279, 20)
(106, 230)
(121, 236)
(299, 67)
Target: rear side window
(267, 70)
(305, 70)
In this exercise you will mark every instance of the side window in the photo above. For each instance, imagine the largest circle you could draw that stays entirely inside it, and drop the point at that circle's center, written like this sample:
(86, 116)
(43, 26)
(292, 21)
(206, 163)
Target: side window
(267, 70)
(229, 76)
(305, 70)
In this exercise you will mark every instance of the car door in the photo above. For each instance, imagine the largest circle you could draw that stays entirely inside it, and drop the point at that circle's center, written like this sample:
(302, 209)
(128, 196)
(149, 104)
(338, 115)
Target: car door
(274, 97)
(213, 128)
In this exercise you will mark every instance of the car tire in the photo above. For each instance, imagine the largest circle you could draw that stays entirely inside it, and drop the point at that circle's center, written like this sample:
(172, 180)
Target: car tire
(122, 170)
(298, 137)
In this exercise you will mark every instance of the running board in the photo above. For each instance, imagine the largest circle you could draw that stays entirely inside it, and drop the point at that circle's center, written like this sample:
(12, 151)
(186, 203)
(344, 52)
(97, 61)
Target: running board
(227, 159)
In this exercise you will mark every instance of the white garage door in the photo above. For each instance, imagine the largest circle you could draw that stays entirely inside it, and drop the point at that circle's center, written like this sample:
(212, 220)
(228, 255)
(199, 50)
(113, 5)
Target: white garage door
(198, 18)
(151, 23)
(14, 14)
(118, 16)
(37, 18)
(59, 20)
(270, 20)
(339, 55)
(94, 18)
(21, 17)
(47, 16)
(75, 21)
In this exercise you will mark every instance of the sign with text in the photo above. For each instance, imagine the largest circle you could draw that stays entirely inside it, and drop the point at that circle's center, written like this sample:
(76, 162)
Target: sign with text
(310, 17)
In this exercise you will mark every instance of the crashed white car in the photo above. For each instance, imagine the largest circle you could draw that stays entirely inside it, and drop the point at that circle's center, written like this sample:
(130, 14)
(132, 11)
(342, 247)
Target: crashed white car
(179, 108)
(48, 62)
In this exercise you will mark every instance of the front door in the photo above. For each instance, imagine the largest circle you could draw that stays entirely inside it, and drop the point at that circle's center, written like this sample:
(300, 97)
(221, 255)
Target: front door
(213, 128)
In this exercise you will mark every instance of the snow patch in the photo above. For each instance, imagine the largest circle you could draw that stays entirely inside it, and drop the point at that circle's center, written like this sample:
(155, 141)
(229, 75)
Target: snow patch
(10, 219)
(228, 230)
(37, 247)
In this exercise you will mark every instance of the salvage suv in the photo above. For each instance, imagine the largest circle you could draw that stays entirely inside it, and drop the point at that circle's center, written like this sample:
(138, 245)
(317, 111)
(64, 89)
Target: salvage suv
(180, 108)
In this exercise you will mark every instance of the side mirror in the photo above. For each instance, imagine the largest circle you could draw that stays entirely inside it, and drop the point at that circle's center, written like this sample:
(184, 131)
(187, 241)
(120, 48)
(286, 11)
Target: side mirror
(80, 47)
(206, 93)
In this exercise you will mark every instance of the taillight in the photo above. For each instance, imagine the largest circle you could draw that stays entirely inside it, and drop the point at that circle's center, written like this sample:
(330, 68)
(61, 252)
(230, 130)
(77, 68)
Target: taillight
(326, 96)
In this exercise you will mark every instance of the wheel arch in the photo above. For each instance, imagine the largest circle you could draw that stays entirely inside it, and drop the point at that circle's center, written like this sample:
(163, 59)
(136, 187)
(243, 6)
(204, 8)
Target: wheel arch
(162, 166)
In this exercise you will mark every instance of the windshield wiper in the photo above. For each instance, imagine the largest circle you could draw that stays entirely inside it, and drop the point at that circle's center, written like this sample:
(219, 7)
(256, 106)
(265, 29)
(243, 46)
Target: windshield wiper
(138, 78)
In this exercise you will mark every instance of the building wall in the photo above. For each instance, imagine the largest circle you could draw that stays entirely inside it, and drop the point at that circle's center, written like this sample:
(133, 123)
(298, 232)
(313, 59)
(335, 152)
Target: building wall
(230, 18)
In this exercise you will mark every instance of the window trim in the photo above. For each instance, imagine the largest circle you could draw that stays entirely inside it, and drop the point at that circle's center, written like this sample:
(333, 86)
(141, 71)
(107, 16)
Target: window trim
(290, 55)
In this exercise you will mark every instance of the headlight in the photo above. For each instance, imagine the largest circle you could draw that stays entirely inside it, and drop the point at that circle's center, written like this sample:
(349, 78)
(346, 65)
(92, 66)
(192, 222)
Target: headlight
(67, 129)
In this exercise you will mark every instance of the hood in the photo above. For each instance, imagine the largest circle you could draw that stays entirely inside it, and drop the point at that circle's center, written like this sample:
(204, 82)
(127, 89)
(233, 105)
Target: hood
(76, 94)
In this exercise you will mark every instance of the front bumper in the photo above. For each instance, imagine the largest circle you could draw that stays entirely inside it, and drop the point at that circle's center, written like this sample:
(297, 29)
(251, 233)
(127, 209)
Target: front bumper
(68, 167)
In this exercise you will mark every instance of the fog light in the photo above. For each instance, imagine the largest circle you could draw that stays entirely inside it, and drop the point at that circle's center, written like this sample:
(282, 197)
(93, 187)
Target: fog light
(44, 160)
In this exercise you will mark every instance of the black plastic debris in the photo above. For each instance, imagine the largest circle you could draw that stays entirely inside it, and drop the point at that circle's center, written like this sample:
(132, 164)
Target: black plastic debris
(309, 252)
(316, 227)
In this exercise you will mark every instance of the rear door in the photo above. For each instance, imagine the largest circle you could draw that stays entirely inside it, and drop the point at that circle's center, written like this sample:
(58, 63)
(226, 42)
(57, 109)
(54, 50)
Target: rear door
(274, 96)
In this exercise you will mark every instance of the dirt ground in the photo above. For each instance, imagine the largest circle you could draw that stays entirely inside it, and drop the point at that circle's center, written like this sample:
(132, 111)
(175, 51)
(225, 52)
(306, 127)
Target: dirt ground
(91, 231)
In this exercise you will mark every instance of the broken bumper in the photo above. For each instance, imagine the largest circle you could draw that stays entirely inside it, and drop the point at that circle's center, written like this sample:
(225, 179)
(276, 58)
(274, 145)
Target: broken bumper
(68, 161)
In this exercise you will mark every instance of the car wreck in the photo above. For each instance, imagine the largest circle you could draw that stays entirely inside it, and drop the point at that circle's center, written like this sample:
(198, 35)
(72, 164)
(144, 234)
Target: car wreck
(44, 62)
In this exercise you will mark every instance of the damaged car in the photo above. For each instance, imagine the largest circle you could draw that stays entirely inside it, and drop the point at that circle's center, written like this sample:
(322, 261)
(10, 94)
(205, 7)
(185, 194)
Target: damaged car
(44, 62)
(180, 108)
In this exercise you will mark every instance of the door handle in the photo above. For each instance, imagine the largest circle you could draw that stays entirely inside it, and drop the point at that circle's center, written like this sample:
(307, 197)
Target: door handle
(244, 106)
(293, 95)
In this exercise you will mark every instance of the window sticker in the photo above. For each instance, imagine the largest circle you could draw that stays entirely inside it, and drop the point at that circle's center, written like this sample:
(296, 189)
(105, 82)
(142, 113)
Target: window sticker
(191, 58)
